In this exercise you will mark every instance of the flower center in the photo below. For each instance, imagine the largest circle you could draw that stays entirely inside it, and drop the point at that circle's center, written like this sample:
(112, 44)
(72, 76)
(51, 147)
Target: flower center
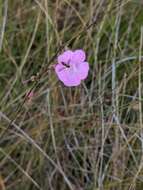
(66, 64)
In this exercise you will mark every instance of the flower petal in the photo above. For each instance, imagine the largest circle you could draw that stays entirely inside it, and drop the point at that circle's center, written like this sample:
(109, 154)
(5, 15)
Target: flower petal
(71, 79)
(67, 76)
(60, 71)
(78, 56)
(83, 69)
(59, 67)
(65, 57)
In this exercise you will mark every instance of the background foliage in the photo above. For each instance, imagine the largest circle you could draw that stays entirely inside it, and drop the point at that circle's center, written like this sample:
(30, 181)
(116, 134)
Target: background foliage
(84, 138)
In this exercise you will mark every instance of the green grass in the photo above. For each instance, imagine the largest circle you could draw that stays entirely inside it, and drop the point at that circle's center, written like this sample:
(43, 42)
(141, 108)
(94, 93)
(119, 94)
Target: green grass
(83, 138)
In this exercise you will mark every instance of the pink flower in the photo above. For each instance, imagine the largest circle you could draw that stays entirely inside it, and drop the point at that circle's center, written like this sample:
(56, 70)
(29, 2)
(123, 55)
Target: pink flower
(30, 94)
(72, 67)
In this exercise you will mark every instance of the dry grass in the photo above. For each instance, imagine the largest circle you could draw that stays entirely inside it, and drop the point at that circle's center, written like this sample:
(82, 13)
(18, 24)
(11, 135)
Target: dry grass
(84, 138)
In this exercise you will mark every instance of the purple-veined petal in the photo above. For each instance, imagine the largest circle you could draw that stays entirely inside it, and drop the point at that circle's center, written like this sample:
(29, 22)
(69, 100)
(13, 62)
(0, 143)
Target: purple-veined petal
(60, 71)
(65, 57)
(83, 69)
(59, 67)
(67, 76)
(73, 79)
(78, 56)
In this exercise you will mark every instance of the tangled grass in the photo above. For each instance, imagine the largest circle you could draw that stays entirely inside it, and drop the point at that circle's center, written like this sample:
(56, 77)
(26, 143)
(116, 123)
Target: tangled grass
(85, 138)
